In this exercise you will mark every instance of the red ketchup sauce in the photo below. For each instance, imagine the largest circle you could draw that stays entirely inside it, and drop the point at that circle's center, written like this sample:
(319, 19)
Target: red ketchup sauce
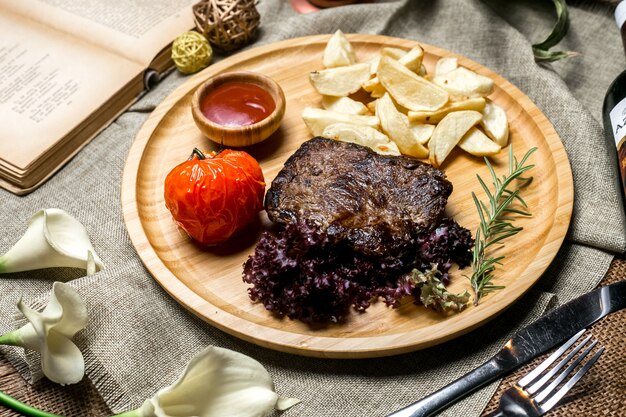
(237, 104)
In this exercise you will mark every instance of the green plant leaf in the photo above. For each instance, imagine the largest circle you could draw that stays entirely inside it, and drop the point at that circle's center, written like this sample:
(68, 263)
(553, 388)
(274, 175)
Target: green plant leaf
(541, 50)
(549, 56)
(434, 295)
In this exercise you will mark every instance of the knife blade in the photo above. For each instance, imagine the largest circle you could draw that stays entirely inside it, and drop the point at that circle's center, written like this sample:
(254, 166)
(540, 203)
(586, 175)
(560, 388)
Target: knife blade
(540, 336)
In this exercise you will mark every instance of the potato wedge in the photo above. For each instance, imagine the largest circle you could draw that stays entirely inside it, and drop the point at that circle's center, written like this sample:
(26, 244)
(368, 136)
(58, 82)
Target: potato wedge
(416, 113)
(422, 72)
(317, 119)
(412, 60)
(374, 65)
(421, 131)
(462, 82)
(388, 148)
(393, 53)
(339, 52)
(374, 87)
(449, 132)
(340, 81)
(477, 143)
(409, 89)
(343, 105)
(395, 125)
(371, 106)
(495, 123)
(477, 104)
(445, 65)
(362, 135)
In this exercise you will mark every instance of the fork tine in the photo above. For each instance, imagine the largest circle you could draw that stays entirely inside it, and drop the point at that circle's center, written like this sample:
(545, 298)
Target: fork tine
(545, 364)
(548, 390)
(548, 405)
(544, 380)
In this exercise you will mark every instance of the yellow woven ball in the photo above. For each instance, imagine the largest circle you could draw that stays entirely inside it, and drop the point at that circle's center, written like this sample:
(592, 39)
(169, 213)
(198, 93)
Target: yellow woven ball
(191, 52)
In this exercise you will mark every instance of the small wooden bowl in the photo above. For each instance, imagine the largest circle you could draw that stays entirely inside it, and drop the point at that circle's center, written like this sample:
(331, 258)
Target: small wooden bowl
(238, 136)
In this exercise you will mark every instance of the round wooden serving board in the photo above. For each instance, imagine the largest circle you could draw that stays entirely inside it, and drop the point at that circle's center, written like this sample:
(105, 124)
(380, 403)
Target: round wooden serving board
(208, 281)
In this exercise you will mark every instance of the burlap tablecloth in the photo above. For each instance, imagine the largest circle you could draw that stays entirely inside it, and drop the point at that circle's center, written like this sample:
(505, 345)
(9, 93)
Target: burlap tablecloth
(138, 339)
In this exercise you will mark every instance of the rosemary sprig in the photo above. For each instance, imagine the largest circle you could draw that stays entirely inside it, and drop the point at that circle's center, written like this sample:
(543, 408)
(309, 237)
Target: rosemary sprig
(496, 217)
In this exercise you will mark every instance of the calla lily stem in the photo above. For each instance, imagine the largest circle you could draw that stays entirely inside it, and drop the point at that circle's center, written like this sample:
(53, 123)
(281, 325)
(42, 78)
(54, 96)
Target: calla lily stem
(29, 411)
(11, 339)
(22, 408)
(133, 413)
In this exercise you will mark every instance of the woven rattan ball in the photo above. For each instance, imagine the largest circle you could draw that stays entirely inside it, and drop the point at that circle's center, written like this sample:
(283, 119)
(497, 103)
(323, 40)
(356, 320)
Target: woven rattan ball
(191, 52)
(228, 24)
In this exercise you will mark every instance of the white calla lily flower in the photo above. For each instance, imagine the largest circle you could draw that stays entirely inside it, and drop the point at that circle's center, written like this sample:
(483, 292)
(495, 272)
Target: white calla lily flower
(217, 383)
(50, 333)
(53, 239)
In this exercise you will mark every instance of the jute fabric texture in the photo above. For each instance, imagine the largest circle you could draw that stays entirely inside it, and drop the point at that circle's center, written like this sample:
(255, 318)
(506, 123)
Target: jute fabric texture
(139, 340)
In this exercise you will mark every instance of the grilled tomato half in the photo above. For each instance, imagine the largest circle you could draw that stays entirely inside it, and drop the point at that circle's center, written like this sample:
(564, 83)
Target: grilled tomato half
(212, 196)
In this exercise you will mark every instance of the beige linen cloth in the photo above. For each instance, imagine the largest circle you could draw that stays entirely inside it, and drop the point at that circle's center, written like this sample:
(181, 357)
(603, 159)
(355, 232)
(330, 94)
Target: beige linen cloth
(139, 340)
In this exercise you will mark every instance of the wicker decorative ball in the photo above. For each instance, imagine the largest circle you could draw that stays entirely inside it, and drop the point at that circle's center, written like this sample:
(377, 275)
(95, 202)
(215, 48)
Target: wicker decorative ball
(228, 24)
(191, 52)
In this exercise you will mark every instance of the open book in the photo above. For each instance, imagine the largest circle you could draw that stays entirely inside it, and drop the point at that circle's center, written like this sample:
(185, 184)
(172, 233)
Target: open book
(68, 68)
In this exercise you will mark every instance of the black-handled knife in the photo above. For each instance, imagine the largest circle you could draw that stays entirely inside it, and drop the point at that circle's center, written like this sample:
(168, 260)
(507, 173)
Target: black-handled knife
(548, 331)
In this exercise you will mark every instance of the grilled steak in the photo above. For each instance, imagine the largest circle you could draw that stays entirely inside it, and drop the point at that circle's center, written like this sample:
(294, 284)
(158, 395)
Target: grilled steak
(377, 204)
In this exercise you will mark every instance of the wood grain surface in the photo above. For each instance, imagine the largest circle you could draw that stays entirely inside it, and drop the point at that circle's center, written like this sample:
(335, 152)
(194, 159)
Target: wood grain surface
(207, 281)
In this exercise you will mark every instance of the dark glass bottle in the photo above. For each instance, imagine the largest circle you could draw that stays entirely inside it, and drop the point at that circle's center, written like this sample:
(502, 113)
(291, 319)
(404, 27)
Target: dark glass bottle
(614, 109)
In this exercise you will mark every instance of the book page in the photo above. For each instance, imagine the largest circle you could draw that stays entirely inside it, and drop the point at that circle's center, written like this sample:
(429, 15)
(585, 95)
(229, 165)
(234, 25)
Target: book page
(49, 84)
(135, 29)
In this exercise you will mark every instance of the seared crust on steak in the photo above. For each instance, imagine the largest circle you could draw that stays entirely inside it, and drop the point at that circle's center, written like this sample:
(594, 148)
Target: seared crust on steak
(377, 204)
